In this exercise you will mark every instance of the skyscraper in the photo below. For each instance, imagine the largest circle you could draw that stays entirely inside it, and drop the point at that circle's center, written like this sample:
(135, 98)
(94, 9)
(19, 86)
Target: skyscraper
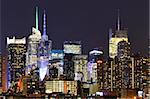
(137, 64)
(44, 47)
(71, 48)
(94, 56)
(122, 70)
(80, 67)
(56, 63)
(16, 58)
(4, 73)
(33, 42)
(124, 67)
(115, 38)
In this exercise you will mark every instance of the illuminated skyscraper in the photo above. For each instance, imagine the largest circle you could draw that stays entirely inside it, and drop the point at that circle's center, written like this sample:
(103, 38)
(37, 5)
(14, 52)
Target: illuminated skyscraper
(115, 38)
(71, 48)
(146, 75)
(56, 64)
(80, 66)
(123, 50)
(138, 65)
(94, 56)
(33, 42)
(124, 67)
(68, 69)
(4, 73)
(16, 58)
(43, 51)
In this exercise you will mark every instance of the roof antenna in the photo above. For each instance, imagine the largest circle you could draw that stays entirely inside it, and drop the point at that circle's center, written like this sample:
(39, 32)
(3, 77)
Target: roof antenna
(36, 17)
(118, 21)
(44, 23)
(110, 33)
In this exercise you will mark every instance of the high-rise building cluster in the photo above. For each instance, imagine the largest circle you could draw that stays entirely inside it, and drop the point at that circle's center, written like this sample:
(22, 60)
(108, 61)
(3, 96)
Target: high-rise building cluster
(33, 67)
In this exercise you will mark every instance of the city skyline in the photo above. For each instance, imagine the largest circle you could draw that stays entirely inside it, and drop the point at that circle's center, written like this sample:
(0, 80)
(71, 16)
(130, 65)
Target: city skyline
(82, 49)
(89, 23)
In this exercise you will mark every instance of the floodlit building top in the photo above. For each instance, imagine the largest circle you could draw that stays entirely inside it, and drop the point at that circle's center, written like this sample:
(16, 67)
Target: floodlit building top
(16, 41)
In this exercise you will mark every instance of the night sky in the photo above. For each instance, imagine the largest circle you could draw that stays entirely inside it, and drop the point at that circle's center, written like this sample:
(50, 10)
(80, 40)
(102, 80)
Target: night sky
(85, 20)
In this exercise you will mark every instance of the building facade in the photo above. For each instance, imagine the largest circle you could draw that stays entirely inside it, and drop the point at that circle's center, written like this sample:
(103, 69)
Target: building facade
(43, 54)
(80, 67)
(71, 48)
(16, 59)
(56, 64)
(115, 38)
(4, 74)
(66, 87)
(33, 43)
(119, 35)
(95, 55)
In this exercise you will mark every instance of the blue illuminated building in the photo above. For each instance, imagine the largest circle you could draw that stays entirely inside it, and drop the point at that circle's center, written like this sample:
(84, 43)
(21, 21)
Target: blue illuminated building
(56, 63)
(43, 52)
(57, 54)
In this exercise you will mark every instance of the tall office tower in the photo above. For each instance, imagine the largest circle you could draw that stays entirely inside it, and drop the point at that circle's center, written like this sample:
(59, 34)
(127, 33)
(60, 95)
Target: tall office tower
(56, 64)
(94, 56)
(111, 70)
(115, 38)
(137, 64)
(33, 42)
(124, 71)
(102, 75)
(92, 72)
(123, 50)
(16, 58)
(97, 57)
(71, 48)
(4, 73)
(30, 83)
(145, 76)
(43, 51)
(68, 69)
(80, 67)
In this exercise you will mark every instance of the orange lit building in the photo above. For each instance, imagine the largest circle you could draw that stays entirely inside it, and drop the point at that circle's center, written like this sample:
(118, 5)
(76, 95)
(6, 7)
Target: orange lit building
(4, 74)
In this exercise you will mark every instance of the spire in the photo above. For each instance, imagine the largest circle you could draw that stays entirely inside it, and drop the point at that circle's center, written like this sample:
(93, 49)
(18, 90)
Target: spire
(118, 21)
(36, 17)
(44, 36)
(44, 23)
(110, 33)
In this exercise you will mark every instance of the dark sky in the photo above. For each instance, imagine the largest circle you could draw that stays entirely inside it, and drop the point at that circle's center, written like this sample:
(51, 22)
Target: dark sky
(85, 20)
